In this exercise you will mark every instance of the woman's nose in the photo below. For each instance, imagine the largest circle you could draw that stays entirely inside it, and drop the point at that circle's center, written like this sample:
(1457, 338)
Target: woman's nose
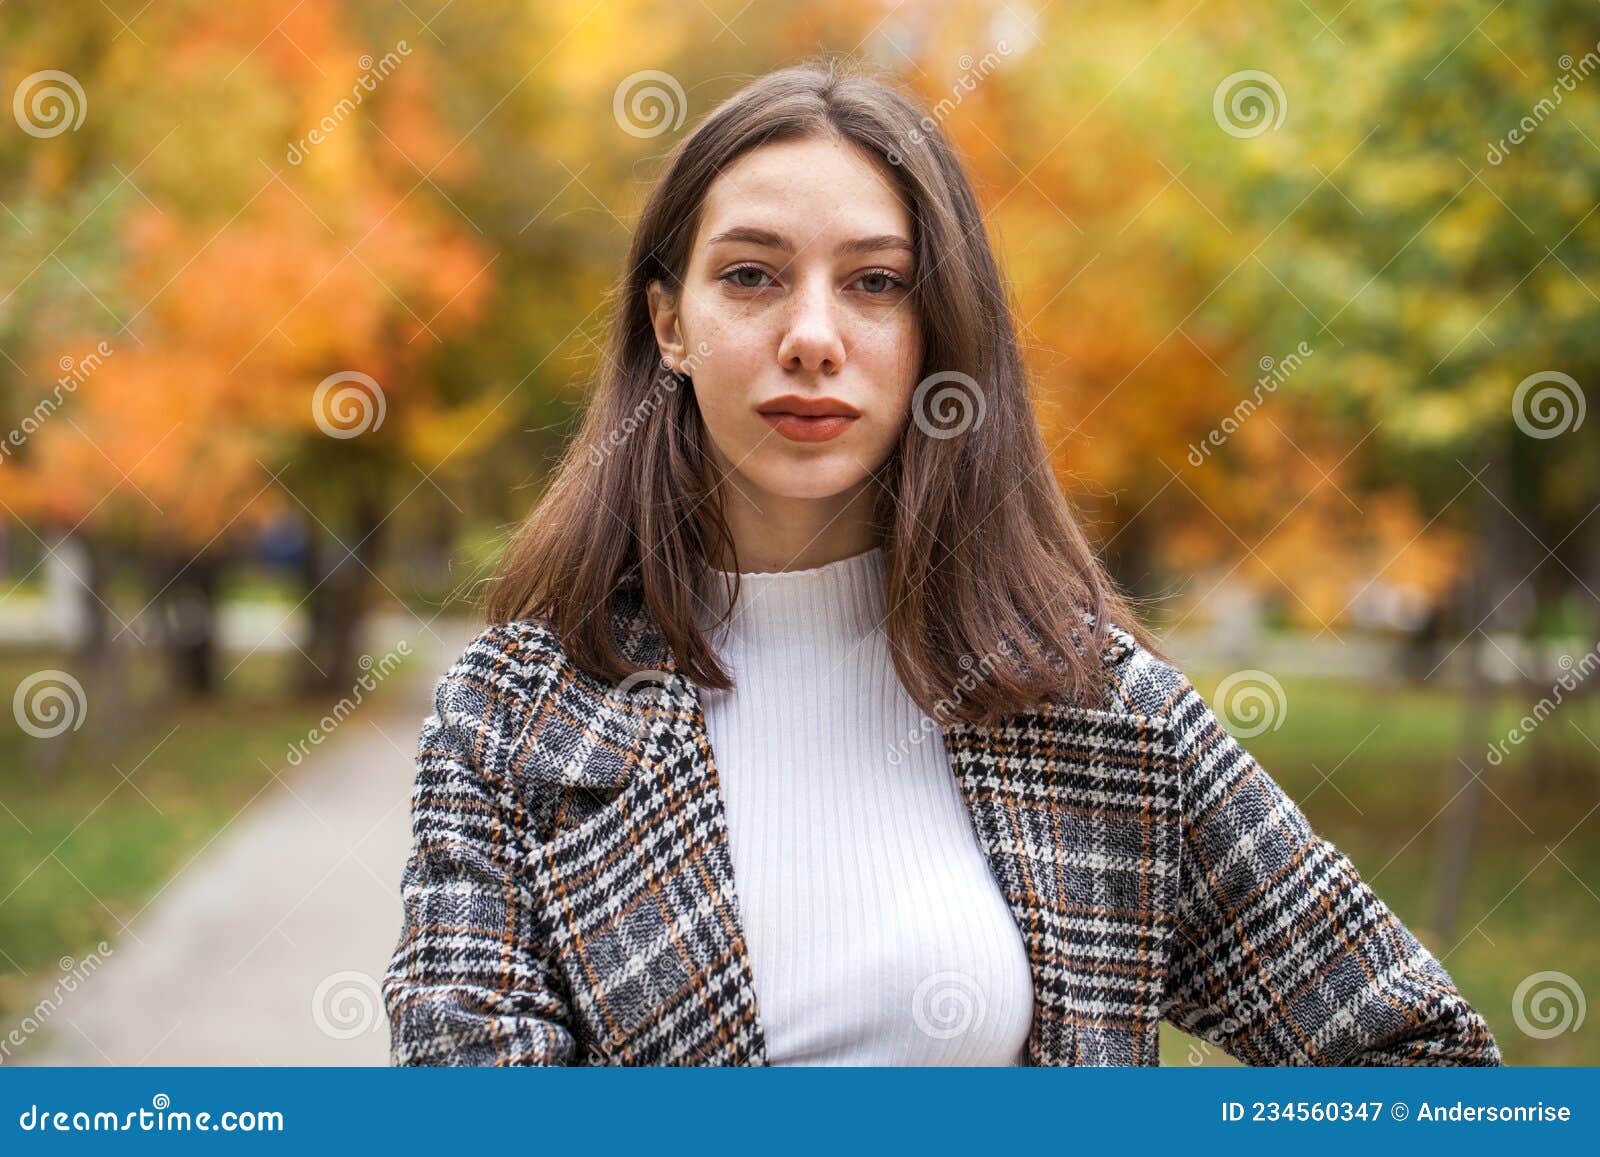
(812, 340)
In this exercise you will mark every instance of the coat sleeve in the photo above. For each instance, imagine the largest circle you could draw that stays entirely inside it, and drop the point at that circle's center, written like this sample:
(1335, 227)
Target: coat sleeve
(1282, 954)
(468, 984)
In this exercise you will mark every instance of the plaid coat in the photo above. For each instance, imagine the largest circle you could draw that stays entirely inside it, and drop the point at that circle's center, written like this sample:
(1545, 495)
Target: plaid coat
(569, 897)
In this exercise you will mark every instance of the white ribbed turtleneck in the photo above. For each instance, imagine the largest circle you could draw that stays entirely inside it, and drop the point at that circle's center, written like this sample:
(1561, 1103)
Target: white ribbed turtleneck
(877, 934)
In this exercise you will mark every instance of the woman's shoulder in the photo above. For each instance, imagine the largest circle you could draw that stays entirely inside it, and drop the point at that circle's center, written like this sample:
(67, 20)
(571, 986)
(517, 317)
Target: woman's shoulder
(507, 674)
(501, 659)
(1142, 682)
(561, 741)
(526, 655)
(1139, 681)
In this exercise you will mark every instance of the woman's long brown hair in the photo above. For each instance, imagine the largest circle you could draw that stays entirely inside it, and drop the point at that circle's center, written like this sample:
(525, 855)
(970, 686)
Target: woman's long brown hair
(989, 575)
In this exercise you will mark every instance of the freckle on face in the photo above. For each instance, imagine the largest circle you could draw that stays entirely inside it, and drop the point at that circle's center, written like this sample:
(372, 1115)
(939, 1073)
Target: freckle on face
(812, 323)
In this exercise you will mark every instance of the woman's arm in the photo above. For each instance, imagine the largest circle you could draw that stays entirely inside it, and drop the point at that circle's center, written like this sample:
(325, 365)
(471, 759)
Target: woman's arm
(468, 985)
(1282, 953)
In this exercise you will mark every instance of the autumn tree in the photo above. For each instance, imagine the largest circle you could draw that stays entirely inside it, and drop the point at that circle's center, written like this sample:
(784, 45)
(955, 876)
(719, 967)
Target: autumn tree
(270, 278)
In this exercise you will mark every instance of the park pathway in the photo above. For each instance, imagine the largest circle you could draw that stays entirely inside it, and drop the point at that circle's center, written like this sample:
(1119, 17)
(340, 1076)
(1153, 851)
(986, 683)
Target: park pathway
(267, 948)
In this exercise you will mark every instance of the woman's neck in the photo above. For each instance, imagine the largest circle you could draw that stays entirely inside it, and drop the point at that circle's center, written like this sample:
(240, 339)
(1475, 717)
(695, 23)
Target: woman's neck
(780, 533)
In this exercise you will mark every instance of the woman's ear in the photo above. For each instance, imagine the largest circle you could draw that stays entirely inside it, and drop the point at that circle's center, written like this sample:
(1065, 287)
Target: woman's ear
(664, 321)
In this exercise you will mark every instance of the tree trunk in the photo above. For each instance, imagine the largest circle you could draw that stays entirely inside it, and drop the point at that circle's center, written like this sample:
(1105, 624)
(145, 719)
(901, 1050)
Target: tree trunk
(338, 580)
(1465, 790)
(1463, 777)
(188, 616)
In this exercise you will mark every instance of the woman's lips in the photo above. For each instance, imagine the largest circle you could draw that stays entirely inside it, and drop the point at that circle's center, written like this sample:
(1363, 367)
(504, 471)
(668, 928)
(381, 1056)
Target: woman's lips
(800, 428)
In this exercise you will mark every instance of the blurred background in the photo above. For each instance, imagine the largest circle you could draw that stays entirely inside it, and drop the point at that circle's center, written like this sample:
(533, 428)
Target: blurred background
(299, 299)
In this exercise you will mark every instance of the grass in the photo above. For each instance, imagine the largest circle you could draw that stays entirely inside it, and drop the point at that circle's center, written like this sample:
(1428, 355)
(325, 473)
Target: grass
(86, 841)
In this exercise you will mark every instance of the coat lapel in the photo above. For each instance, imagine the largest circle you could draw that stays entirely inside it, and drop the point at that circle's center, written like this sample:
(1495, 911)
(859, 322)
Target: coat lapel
(1077, 812)
(1075, 809)
(635, 893)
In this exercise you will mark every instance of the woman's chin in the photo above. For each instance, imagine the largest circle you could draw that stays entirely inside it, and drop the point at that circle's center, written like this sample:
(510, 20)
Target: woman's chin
(821, 478)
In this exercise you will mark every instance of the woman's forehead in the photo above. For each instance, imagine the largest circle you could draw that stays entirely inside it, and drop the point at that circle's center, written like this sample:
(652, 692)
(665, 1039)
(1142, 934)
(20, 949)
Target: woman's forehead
(816, 189)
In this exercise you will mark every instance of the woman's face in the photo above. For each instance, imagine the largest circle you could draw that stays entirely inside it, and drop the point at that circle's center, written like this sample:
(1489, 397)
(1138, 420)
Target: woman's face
(796, 321)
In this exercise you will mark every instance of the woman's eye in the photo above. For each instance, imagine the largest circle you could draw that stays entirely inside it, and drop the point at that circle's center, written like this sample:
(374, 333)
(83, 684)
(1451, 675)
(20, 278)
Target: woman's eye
(734, 275)
(883, 279)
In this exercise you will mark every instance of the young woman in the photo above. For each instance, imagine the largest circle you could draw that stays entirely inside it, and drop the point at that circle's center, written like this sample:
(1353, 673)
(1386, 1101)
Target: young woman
(807, 728)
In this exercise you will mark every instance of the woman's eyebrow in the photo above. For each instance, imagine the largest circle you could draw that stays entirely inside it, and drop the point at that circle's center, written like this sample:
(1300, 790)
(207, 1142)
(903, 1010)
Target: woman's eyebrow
(876, 243)
(771, 240)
